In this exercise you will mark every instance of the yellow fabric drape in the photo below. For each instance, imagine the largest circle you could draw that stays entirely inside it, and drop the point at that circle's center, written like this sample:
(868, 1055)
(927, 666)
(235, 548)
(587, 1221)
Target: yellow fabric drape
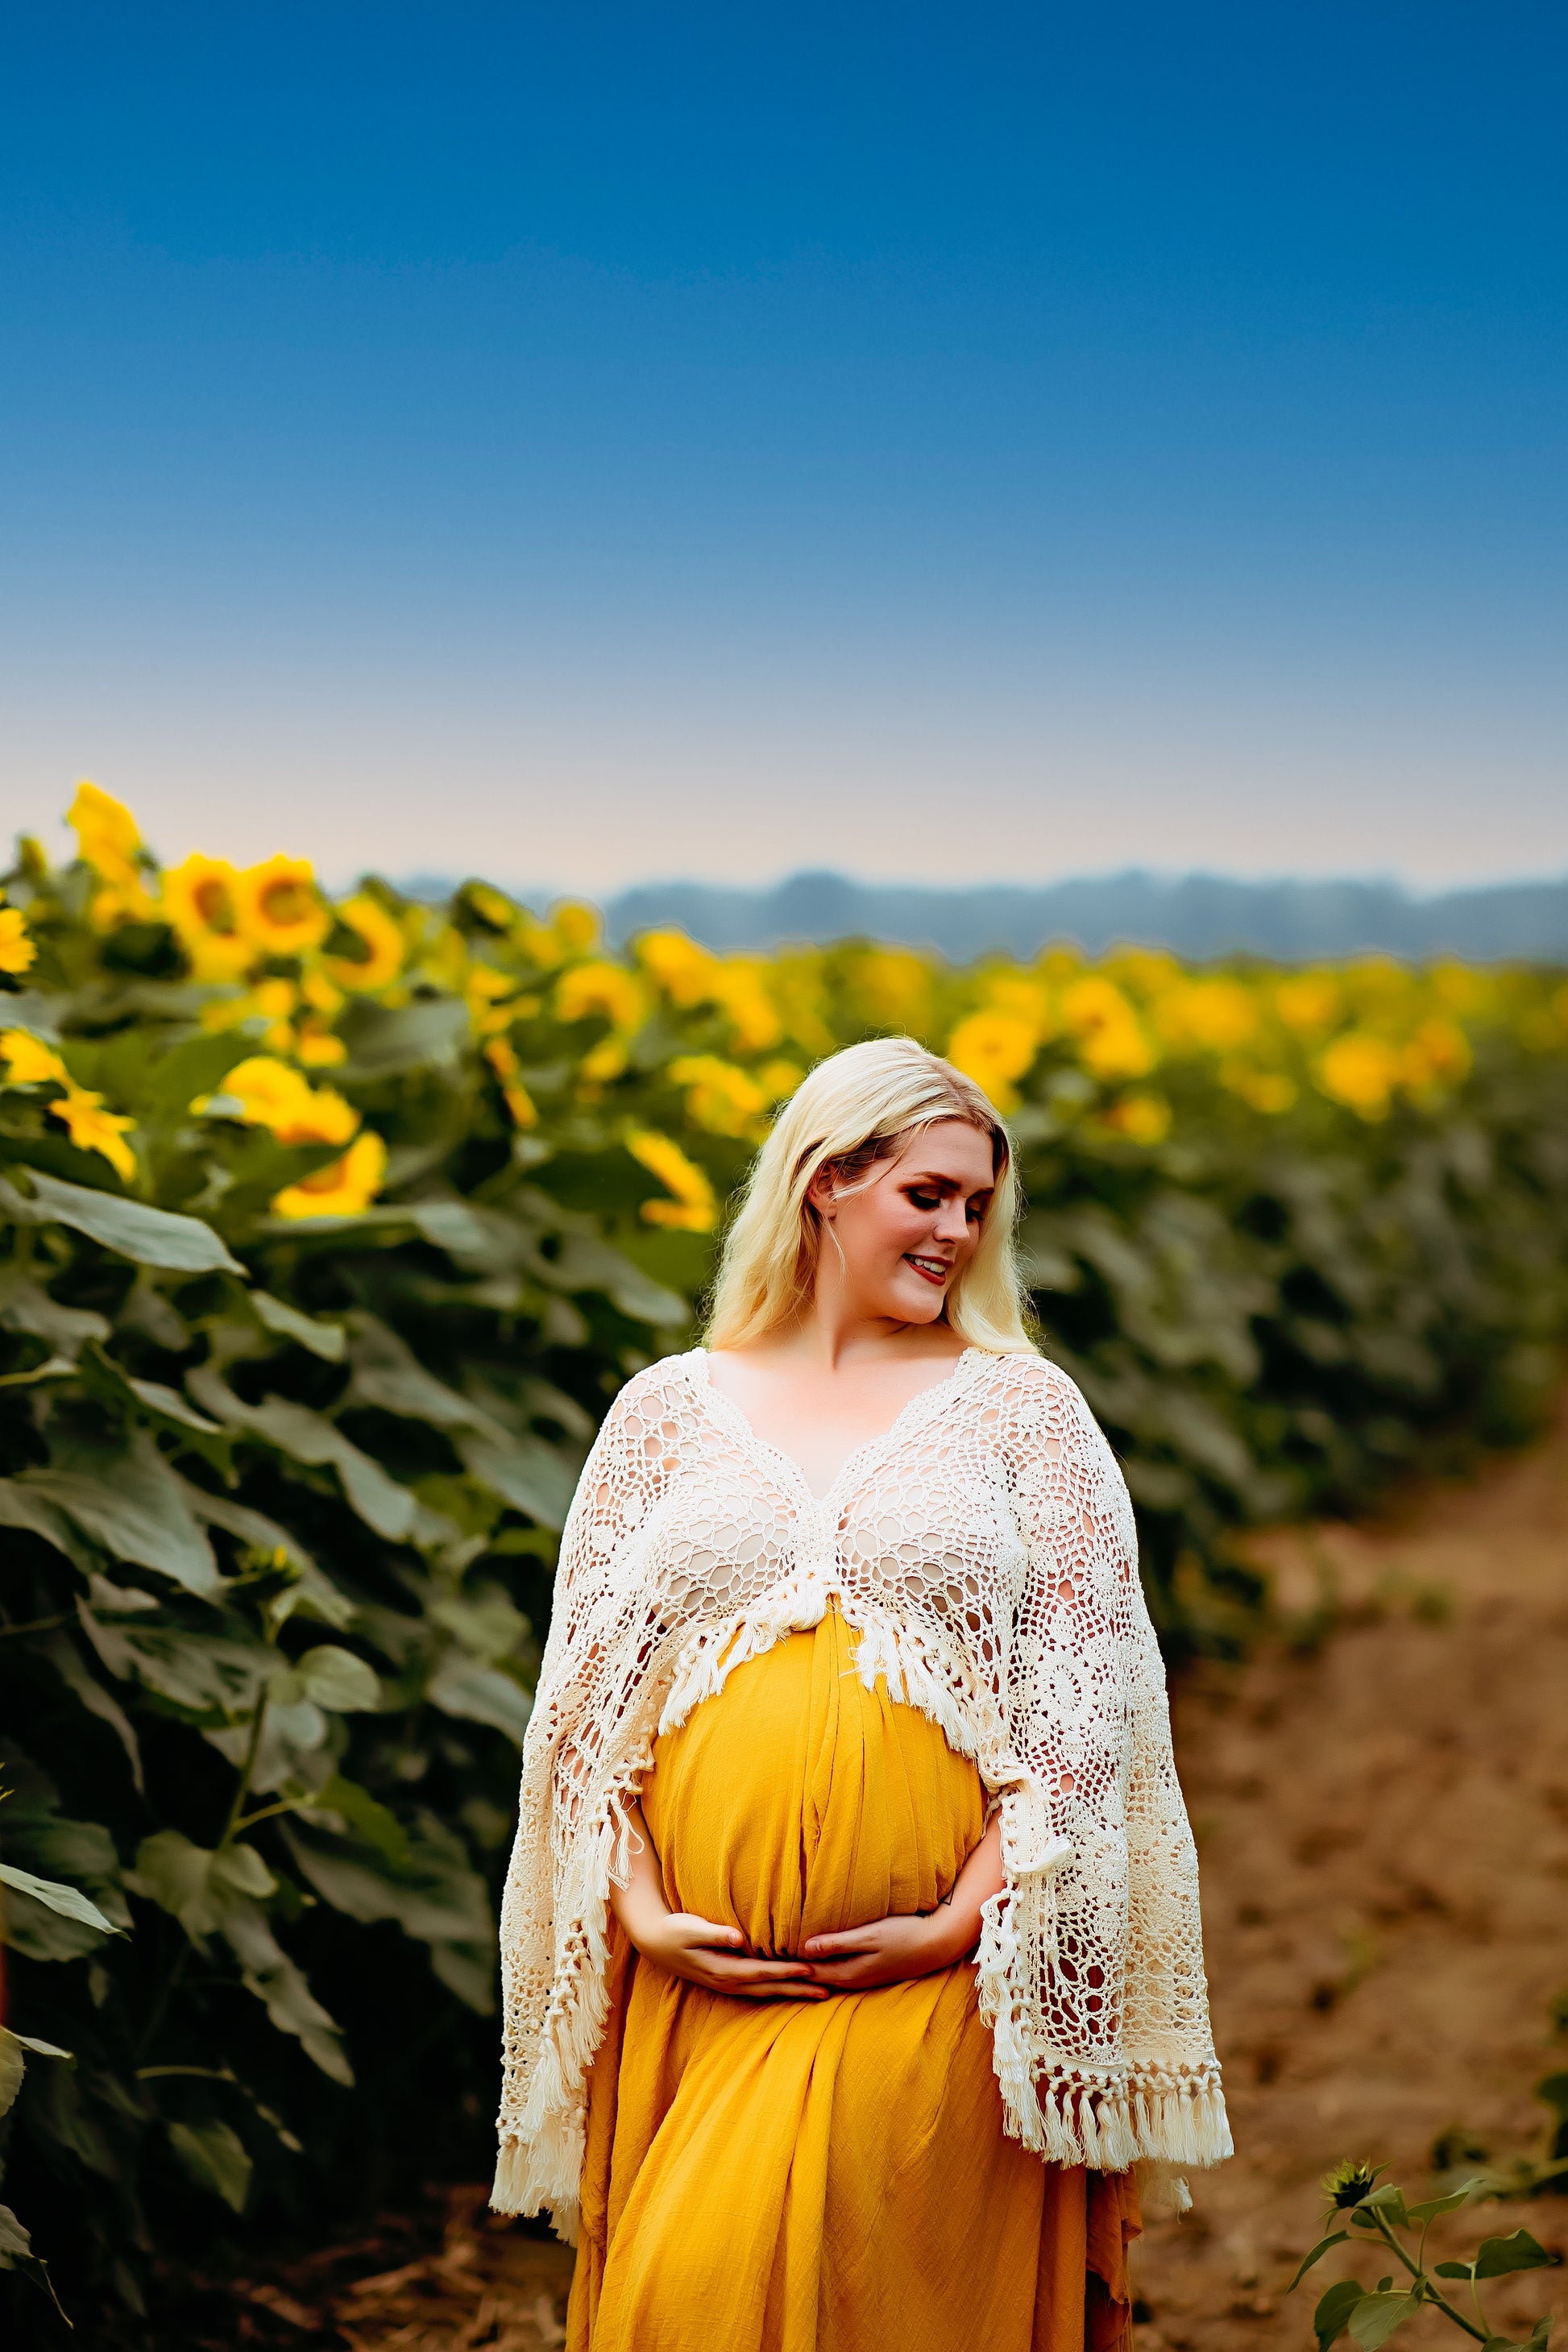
(831, 2176)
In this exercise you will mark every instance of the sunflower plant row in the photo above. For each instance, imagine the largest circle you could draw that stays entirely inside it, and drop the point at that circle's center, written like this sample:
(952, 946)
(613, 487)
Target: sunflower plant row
(328, 1228)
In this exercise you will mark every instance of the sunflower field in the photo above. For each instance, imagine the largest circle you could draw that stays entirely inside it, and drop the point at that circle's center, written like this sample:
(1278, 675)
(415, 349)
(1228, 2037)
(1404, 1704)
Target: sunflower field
(328, 1228)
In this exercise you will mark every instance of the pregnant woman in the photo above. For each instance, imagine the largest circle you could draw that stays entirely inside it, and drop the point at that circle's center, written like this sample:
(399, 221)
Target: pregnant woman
(851, 1938)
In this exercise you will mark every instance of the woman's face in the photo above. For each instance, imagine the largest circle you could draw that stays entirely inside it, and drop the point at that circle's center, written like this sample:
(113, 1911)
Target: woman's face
(908, 1227)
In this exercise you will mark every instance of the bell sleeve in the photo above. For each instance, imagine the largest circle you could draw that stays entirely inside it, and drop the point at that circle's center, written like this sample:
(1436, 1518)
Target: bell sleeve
(583, 1753)
(1107, 2010)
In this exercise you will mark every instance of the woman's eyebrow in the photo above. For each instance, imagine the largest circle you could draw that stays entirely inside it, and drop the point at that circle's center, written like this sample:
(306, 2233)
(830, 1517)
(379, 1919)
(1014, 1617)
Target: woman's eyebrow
(949, 1184)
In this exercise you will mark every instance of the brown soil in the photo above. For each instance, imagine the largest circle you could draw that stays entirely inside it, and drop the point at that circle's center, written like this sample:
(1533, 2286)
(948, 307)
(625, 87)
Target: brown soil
(1381, 1801)
(1382, 1822)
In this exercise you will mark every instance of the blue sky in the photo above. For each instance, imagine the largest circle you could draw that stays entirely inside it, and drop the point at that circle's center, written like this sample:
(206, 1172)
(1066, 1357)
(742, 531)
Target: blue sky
(598, 442)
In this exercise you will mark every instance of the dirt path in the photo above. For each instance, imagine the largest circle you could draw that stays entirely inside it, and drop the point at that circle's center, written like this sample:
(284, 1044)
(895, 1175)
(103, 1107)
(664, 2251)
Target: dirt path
(1383, 1830)
(1382, 1809)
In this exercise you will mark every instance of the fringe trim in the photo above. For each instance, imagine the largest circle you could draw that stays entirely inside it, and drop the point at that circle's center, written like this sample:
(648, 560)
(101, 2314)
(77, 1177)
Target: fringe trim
(1167, 2117)
(1162, 2184)
(540, 2159)
(883, 1651)
(518, 2188)
(706, 1663)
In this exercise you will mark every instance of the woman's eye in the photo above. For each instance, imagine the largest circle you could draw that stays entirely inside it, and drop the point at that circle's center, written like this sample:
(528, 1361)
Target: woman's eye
(925, 1200)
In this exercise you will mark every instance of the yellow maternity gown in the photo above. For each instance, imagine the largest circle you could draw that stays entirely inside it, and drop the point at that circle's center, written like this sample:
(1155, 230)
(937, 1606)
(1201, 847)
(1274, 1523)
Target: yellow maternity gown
(831, 2176)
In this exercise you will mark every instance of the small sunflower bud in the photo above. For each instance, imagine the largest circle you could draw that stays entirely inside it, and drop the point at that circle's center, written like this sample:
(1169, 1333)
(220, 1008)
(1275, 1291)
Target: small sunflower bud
(1348, 2183)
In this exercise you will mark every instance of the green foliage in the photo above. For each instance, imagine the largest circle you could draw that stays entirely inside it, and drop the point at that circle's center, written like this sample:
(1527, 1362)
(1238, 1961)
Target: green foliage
(1371, 2316)
(280, 1505)
(282, 1470)
(1274, 1318)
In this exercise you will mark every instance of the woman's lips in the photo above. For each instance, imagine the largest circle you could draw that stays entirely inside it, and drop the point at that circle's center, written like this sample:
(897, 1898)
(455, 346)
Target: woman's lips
(931, 1269)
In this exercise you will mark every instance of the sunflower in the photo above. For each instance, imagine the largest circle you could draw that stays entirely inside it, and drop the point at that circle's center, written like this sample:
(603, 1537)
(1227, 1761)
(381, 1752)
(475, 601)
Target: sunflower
(1360, 1071)
(738, 988)
(1269, 1091)
(279, 908)
(994, 1048)
(1142, 1118)
(721, 1096)
(317, 1046)
(30, 1062)
(383, 941)
(1438, 1054)
(606, 989)
(1308, 1003)
(1111, 1042)
(683, 968)
(17, 949)
(322, 1117)
(602, 1063)
(694, 1209)
(108, 841)
(502, 1056)
(322, 994)
(1217, 1014)
(93, 1129)
(1348, 2184)
(491, 999)
(892, 988)
(342, 1189)
(577, 926)
(107, 836)
(279, 1098)
(490, 906)
(199, 907)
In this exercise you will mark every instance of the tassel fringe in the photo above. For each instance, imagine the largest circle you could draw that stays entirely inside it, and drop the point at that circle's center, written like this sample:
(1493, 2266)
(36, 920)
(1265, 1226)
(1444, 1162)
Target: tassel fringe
(1164, 2118)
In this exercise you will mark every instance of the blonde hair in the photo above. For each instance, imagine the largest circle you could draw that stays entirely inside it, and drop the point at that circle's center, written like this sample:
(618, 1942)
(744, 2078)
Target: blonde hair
(860, 1106)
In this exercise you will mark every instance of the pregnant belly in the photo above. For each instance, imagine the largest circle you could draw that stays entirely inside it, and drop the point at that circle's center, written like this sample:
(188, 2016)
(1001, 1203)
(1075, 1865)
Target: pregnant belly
(796, 1801)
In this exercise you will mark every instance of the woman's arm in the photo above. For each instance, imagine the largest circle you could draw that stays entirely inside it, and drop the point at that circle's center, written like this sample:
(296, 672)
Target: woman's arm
(717, 1959)
(917, 1943)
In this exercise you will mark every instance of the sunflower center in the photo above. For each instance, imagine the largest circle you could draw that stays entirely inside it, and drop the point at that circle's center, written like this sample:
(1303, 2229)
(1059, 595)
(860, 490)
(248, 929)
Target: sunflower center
(325, 1179)
(285, 902)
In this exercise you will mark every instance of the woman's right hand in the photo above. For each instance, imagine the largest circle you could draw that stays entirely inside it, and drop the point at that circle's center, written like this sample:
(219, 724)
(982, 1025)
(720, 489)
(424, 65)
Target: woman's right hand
(718, 1958)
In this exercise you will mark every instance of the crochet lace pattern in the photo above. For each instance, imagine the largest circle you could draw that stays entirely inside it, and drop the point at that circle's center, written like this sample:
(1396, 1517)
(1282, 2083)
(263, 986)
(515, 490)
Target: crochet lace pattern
(983, 1547)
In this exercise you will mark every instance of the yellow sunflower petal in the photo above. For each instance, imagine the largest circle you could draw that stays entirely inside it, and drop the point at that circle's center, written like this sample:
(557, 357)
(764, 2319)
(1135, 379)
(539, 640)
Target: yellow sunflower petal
(383, 941)
(342, 1189)
(693, 1209)
(93, 1129)
(30, 1062)
(17, 949)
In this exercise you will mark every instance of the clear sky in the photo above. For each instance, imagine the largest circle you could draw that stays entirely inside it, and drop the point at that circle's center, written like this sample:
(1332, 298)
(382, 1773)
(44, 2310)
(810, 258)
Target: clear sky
(598, 442)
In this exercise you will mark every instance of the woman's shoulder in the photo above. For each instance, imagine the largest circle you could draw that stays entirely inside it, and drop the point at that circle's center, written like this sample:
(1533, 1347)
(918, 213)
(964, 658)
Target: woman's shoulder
(667, 1377)
(1032, 1383)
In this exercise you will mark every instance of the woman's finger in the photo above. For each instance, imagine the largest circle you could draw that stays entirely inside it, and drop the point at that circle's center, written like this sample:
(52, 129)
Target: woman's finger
(697, 1931)
(765, 1972)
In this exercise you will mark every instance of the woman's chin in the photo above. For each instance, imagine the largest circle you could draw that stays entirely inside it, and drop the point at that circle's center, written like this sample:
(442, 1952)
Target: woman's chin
(917, 1300)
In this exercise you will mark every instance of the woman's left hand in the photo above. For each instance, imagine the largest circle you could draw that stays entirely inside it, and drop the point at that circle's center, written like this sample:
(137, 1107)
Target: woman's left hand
(884, 1952)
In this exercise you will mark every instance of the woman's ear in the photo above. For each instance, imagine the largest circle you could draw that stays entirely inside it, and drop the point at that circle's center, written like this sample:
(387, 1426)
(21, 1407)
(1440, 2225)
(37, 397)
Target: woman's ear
(823, 1189)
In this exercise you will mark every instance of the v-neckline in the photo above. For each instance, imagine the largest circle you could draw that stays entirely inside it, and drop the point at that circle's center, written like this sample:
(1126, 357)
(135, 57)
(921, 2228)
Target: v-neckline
(725, 1410)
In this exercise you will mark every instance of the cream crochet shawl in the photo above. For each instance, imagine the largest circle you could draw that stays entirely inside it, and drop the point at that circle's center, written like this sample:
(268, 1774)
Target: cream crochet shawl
(983, 1546)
